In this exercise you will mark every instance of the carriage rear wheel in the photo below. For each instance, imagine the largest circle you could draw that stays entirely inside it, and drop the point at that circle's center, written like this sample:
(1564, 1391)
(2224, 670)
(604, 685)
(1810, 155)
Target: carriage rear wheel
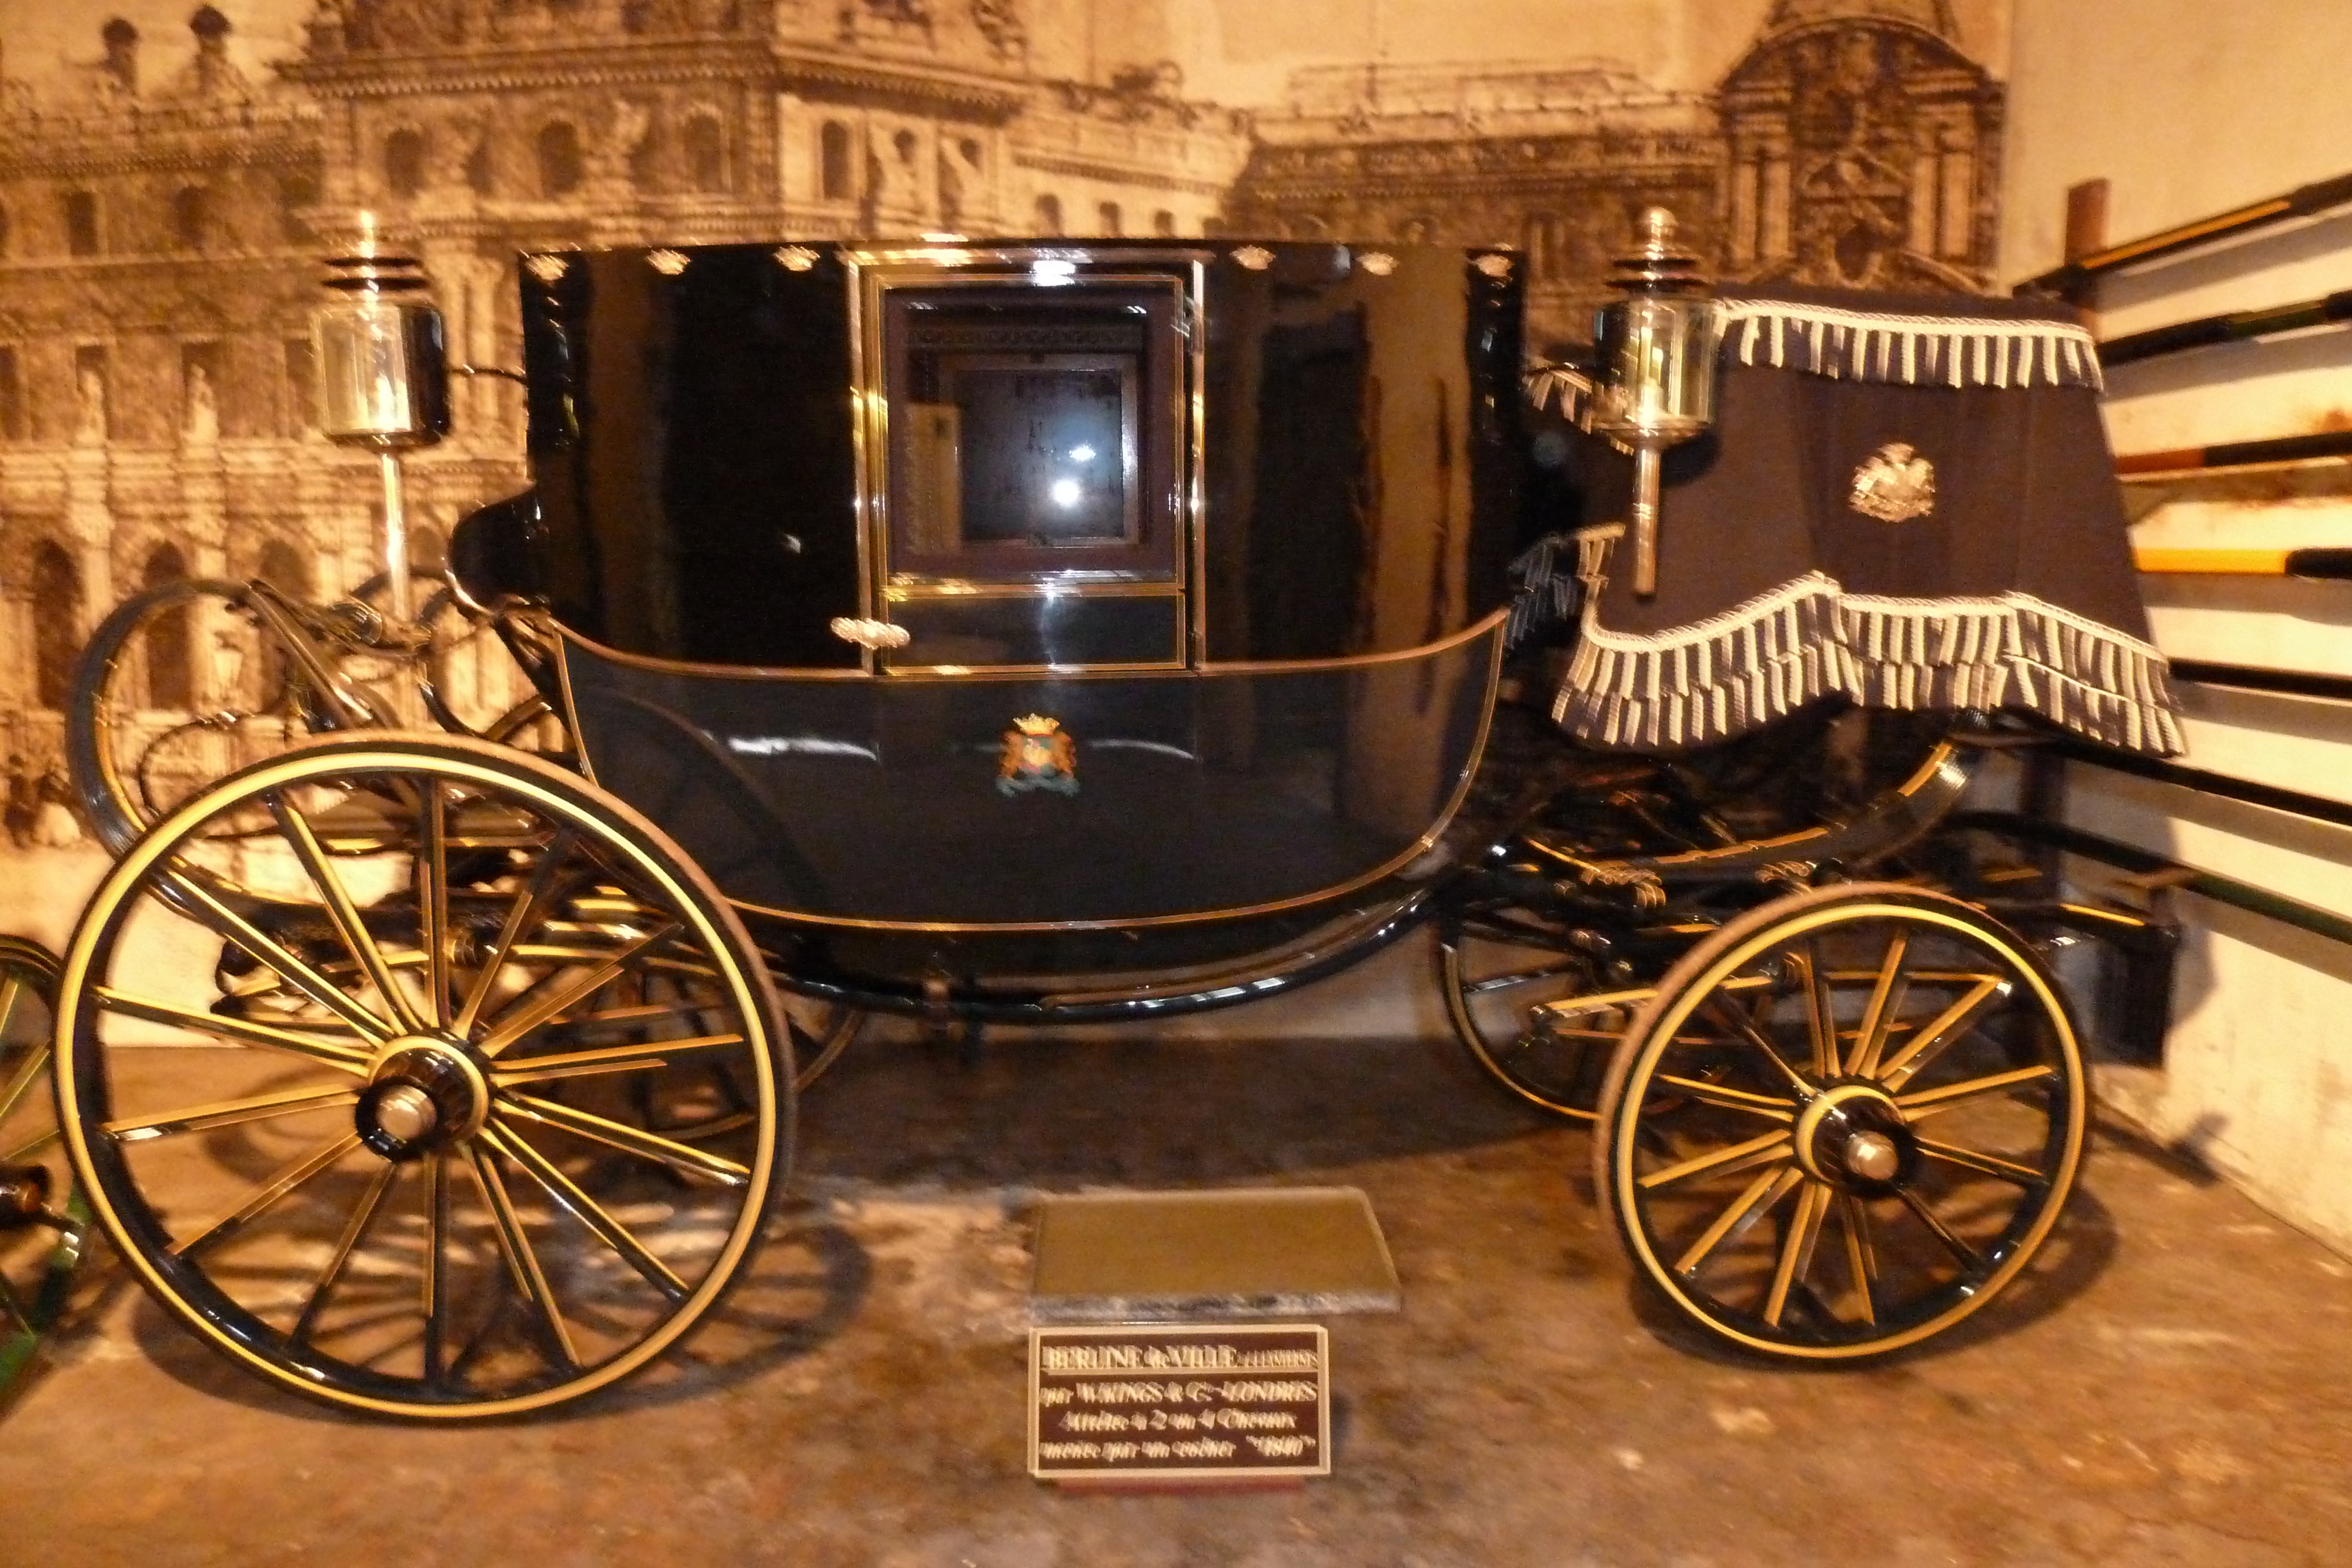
(1846, 1121)
(414, 1156)
(42, 1218)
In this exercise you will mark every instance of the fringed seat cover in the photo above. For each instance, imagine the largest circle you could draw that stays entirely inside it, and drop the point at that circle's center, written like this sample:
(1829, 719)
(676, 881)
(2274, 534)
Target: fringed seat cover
(1904, 503)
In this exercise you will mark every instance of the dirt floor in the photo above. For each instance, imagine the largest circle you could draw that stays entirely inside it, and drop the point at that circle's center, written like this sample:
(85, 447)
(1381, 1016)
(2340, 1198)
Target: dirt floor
(2168, 1386)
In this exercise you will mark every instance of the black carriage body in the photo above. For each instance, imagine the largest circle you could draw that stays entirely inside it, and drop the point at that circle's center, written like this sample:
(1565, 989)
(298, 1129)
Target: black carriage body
(1030, 590)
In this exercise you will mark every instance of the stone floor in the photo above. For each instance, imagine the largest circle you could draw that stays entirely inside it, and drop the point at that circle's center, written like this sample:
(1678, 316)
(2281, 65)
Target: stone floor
(2168, 1386)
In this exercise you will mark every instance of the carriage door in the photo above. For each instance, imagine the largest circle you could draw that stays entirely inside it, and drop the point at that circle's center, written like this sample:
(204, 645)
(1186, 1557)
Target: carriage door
(1028, 458)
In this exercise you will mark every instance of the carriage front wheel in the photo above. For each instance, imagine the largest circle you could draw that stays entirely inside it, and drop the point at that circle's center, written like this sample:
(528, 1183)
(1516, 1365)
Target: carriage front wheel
(376, 1093)
(1845, 1123)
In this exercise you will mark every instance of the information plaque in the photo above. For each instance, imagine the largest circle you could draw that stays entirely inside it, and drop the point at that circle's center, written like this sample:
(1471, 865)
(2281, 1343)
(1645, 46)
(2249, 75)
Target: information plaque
(1179, 1404)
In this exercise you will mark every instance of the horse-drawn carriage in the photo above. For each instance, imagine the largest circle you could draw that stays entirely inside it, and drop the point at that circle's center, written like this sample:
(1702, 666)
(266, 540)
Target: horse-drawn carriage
(1053, 632)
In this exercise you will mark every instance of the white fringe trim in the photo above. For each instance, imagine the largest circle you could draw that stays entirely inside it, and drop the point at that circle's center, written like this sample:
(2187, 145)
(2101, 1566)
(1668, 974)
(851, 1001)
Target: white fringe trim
(1916, 351)
(1808, 639)
(1543, 381)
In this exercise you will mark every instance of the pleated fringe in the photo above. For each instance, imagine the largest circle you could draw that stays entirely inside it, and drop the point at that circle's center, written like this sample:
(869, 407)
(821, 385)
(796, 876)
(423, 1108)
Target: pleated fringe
(1914, 350)
(1809, 639)
(1545, 383)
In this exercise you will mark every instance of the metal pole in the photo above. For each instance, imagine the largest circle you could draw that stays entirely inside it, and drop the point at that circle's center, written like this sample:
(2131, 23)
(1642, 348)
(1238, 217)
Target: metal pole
(395, 540)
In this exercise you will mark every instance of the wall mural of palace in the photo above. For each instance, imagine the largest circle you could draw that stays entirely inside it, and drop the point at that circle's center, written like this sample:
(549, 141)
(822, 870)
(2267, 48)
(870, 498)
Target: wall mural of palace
(163, 208)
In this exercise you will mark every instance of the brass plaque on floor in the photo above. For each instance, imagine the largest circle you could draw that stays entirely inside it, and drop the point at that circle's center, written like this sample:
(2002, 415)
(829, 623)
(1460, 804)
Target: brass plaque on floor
(1179, 1404)
(1260, 1252)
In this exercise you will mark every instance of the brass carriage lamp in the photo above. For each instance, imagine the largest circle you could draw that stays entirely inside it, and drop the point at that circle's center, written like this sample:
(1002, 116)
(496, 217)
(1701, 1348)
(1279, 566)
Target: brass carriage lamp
(1656, 381)
(383, 375)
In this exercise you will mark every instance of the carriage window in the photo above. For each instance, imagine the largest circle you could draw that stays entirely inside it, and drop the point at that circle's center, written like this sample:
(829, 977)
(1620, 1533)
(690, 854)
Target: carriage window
(1034, 455)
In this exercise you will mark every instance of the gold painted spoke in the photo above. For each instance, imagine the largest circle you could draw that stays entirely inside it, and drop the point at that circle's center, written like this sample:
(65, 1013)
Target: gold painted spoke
(1821, 1011)
(244, 1031)
(642, 1012)
(303, 977)
(1739, 1099)
(1751, 1206)
(1949, 1096)
(1861, 1261)
(1984, 1164)
(35, 1059)
(521, 1019)
(227, 1112)
(272, 1187)
(1885, 1004)
(522, 1262)
(1968, 1255)
(1732, 1157)
(629, 1140)
(434, 1284)
(431, 880)
(1942, 1030)
(1747, 1030)
(1797, 1249)
(25, 1151)
(529, 907)
(350, 924)
(587, 1211)
(354, 1229)
(618, 1058)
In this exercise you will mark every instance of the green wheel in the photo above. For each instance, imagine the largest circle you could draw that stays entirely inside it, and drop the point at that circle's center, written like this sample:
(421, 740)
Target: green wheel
(1845, 1123)
(417, 1154)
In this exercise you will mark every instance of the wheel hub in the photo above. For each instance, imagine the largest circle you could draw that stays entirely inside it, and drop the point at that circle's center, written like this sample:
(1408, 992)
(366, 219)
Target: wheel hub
(423, 1093)
(1854, 1136)
(24, 1196)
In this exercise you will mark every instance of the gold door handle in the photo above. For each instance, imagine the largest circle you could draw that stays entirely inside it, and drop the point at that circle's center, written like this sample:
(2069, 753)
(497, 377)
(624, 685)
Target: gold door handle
(869, 634)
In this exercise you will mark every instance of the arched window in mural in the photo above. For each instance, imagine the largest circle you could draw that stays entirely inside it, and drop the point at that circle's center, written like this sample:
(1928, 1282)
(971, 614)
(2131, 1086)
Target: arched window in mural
(3, 231)
(1163, 222)
(165, 649)
(559, 158)
(706, 154)
(403, 162)
(57, 623)
(1107, 218)
(1049, 214)
(282, 567)
(191, 218)
(834, 181)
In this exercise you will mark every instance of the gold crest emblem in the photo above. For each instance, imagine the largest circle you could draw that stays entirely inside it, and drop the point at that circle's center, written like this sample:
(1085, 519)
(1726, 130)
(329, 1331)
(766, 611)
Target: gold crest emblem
(797, 258)
(1256, 257)
(1037, 756)
(547, 269)
(1893, 485)
(668, 262)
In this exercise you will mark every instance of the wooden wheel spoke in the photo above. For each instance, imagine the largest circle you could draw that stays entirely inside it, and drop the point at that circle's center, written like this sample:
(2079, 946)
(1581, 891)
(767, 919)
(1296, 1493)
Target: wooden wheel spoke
(1746, 1030)
(1940, 1031)
(226, 923)
(617, 1059)
(25, 1151)
(1984, 1164)
(588, 1211)
(1796, 1260)
(1861, 1261)
(1731, 1158)
(350, 924)
(1821, 1011)
(434, 1291)
(294, 1174)
(527, 910)
(1886, 1003)
(1969, 1259)
(227, 1112)
(431, 881)
(1752, 1205)
(363, 1215)
(629, 1140)
(244, 1031)
(522, 1261)
(1727, 1099)
(22, 1081)
(521, 1019)
(1949, 1096)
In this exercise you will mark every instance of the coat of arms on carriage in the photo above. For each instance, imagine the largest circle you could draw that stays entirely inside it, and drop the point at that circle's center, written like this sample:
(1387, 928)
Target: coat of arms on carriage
(1893, 485)
(1037, 756)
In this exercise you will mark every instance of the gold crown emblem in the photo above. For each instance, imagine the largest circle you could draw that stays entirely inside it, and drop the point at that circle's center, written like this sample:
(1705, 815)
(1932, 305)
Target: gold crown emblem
(1036, 724)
